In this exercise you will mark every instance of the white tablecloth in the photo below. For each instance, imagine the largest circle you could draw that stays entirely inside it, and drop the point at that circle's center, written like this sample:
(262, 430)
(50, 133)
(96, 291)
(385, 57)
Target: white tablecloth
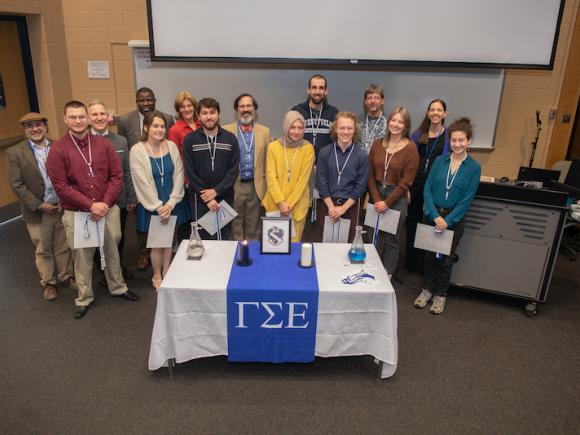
(191, 322)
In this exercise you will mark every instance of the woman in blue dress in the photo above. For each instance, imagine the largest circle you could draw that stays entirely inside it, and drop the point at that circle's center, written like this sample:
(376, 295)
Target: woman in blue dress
(157, 173)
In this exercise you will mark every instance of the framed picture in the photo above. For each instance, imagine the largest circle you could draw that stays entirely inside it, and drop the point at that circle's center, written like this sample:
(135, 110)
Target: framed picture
(276, 235)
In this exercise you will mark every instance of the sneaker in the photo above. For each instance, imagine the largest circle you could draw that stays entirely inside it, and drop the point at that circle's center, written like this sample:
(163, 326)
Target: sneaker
(438, 305)
(423, 299)
(50, 292)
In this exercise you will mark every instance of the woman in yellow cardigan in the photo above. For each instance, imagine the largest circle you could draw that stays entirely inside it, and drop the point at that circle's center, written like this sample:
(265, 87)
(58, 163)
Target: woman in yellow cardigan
(288, 168)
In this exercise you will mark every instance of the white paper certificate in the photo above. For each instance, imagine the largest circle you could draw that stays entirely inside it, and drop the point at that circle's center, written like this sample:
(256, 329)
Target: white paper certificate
(335, 232)
(86, 231)
(211, 219)
(430, 240)
(388, 221)
(160, 235)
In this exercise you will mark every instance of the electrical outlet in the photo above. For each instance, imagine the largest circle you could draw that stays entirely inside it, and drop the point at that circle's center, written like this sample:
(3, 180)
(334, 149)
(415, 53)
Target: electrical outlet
(566, 118)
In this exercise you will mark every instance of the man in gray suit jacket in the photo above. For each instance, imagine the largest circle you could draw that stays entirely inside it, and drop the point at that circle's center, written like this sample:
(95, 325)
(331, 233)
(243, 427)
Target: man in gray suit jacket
(127, 201)
(130, 126)
(40, 205)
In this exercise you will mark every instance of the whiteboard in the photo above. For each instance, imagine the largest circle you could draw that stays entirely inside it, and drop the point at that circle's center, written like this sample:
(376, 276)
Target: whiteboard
(472, 92)
(491, 32)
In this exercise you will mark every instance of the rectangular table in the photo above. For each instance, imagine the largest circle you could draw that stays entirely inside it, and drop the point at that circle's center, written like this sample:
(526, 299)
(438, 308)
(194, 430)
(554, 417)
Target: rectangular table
(191, 319)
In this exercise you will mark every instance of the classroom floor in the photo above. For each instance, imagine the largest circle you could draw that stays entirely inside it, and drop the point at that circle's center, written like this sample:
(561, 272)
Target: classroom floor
(481, 367)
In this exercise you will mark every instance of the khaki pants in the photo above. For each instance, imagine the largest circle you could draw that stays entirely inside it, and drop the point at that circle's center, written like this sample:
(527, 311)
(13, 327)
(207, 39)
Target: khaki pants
(247, 204)
(83, 258)
(52, 256)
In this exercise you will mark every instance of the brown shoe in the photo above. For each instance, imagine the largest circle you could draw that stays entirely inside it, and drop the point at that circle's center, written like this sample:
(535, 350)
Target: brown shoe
(143, 263)
(50, 292)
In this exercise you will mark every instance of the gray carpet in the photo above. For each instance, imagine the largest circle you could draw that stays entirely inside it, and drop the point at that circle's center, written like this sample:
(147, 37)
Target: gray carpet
(481, 367)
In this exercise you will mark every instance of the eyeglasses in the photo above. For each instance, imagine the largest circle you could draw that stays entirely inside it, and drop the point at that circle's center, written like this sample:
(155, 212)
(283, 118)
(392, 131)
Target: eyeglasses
(76, 117)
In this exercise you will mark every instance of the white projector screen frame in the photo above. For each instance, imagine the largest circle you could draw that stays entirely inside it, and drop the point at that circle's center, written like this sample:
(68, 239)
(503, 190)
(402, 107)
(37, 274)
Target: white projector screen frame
(459, 33)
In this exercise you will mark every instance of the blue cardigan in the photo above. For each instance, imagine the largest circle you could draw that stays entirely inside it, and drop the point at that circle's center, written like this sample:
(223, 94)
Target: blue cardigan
(461, 193)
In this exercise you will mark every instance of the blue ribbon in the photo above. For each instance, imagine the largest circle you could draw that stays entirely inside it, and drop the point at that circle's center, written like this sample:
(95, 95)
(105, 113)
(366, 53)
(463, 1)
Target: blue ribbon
(219, 215)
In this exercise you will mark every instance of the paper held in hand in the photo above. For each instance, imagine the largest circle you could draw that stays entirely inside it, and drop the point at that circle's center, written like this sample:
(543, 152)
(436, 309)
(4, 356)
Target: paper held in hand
(335, 232)
(278, 214)
(88, 232)
(160, 235)
(430, 240)
(223, 216)
(387, 221)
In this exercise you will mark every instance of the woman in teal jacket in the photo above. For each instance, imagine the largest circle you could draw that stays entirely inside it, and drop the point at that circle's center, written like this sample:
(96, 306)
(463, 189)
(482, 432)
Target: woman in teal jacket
(449, 191)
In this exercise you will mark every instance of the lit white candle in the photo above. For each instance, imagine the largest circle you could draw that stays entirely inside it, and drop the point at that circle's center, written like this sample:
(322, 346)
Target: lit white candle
(306, 255)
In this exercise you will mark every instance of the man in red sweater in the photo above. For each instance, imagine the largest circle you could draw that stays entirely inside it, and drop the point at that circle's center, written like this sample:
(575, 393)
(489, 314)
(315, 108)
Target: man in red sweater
(87, 176)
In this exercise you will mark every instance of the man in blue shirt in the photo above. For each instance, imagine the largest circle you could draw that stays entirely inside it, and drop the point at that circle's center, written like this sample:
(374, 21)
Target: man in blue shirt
(250, 186)
(342, 172)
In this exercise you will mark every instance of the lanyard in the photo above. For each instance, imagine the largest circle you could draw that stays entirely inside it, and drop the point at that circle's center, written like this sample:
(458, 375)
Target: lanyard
(89, 162)
(431, 149)
(248, 148)
(448, 184)
(341, 170)
(388, 161)
(161, 168)
(371, 136)
(315, 129)
(289, 169)
(211, 142)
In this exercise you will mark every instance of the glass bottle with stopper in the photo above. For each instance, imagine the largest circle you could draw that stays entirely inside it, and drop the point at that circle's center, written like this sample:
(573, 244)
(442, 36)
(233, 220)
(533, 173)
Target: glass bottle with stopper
(195, 248)
(357, 253)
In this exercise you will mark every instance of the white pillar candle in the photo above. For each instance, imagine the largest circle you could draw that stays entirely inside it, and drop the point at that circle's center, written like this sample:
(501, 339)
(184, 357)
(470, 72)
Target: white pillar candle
(306, 255)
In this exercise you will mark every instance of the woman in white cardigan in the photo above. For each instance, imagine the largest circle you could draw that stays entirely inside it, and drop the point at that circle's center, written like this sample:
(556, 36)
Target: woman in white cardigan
(157, 173)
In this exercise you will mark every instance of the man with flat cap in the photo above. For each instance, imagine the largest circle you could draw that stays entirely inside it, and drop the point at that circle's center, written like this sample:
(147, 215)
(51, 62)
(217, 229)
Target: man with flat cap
(40, 205)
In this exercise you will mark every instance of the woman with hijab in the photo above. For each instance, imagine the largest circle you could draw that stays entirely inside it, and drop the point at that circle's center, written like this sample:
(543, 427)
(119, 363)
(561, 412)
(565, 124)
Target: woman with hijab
(289, 165)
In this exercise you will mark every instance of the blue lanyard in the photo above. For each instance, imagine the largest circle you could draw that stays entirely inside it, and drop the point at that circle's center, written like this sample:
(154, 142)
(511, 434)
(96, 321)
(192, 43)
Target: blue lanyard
(431, 149)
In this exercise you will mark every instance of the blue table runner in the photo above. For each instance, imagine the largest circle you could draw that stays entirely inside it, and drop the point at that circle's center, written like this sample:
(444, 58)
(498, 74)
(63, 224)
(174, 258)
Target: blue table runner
(272, 308)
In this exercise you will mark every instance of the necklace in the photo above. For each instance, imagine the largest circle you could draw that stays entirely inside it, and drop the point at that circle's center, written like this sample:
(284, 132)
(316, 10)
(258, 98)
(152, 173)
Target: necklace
(161, 168)
(289, 169)
(432, 148)
(315, 129)
(341, 170)
(448, 183)
(210, 142)
(88, 162)
(388, 160)
(371, 136)
(248, 148)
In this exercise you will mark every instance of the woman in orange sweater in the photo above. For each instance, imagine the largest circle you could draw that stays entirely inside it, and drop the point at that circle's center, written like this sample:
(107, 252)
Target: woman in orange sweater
(393, 164)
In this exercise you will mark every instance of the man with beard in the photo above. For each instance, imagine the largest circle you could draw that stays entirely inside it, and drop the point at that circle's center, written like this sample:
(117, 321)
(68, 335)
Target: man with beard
(211, 156)
(250, 185)
(40, 205)
(373, 123)
(318, 114)
(87, 176)
(130, 126)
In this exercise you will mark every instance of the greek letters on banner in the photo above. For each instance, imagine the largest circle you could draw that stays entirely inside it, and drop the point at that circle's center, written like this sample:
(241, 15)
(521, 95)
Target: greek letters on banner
(272, 309)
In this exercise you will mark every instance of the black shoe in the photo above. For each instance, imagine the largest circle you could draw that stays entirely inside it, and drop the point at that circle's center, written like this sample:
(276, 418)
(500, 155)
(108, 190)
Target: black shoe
(80, 311)
(127, 275)
(130, 296)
